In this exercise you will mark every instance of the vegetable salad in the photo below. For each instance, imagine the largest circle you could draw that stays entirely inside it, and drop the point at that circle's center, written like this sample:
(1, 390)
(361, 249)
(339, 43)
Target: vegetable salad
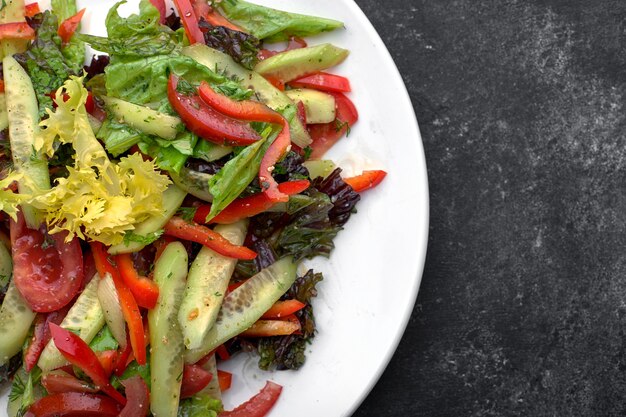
(157, 200)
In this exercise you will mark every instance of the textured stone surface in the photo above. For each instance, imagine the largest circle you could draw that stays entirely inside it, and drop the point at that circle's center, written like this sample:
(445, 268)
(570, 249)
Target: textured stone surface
(522, 309)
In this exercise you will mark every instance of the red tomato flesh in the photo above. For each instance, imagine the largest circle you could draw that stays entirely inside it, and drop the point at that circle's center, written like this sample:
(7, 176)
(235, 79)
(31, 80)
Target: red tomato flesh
(195, 379)
(74, 404)
(47, 271)
(41, 336)
(56, 382)
(326, 135)
(138, 397)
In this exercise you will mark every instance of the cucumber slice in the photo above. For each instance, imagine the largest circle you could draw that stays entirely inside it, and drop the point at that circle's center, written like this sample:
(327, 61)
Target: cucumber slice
(172, 199)
(110, 302)
(15, 320)
(290, 65)
(244, 306)
(319, 107)
(213, 389)
(85, 318)
(143, 118)
(319, 167)
(264, 90)
(166, 338)
(207, 282)
(4, 116)
(6, 266)
(23, 114)
(13, 11)
(194, 182)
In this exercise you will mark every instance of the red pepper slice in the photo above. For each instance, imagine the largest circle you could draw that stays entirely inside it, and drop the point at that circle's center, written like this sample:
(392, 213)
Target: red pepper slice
(16, 30)
(69, 26)
(145, 291)
(208, 123)
(222, 352)
(138, 397)
(190, 21)
(273, 154)
(121, 361)
(281, 309)
(130, 309)
(365, 181)
(326, 135)
(259, 405)
(41, 336)
(1, 86)
(246, 207)
(194, 232)
(195, 379)
(160, 6)
(225, 379)
(79, 354)
(72, 404)
(323, 81)
(58, 381)
(107, 359)
(268, 328)
(31, 9)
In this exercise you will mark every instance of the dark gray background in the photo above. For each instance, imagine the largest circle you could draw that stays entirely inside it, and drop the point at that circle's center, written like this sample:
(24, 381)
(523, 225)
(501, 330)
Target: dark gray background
(522, 308)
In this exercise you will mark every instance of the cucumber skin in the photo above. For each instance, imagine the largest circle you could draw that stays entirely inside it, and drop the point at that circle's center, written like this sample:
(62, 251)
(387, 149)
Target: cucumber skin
(15, 320)
(267, 93)
(193, 182)
(318, 106)
(172, 199)
(240, 311)
(207, 283)
(86, 317)
(143, 118)
(166, 338)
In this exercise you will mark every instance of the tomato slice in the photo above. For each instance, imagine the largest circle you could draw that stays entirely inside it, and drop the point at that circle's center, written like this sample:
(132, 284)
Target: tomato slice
(195, 379)
(326, 135)
(259, 405)
(47, 271)
(323, 81)
(74, 404)
(58, 381)
(41, 336)
(138, 397)
(208, 123)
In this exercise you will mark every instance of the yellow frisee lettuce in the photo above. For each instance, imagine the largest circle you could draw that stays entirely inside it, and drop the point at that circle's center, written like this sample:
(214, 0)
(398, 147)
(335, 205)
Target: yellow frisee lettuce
(9, 201)
(100, 199)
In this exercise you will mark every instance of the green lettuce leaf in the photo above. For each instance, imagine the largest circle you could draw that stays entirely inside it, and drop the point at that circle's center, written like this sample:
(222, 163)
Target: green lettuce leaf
(74, 51)
(274, 25)
(104, 340)
(200, 405)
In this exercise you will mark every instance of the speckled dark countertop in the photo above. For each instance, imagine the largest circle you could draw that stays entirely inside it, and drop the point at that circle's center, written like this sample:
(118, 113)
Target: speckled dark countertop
(522, 309)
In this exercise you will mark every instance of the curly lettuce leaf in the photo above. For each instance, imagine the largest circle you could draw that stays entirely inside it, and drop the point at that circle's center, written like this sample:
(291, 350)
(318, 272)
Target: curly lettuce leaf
(10, 201)
(274, 25)
(99, 199)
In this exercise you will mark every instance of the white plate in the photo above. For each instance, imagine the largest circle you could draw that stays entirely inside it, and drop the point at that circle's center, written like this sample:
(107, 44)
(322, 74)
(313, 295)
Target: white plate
(372, 279)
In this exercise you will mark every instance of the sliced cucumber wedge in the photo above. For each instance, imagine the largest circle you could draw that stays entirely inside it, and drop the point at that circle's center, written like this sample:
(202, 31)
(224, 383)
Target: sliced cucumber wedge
(85, 318)
(194, 182)
(15, 320)
(166, 338)
(319, 107)
(207, 282)
(143, 118)
(245, 305)
(319, 167)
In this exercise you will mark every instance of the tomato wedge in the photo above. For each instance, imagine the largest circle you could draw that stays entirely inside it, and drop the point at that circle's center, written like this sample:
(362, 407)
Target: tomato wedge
(190, 21)
(47, 271)
(58, 381)
(194, 232)
(138, 397)
(245, 207)
(259, 405)
(31, 9)
(208, 123)
(160, 6)
(195, 379)
(79, 354)
(326, 135)
(323, 81)
(74, 404)
(41, 336)
(145, 291)
(69, 26)
(365, 181)
(16, 30)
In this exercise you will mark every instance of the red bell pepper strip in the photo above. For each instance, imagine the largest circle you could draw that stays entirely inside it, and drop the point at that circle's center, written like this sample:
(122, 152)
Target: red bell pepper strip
(204, 10)
(259, 405)
(130, 309)
(195, 379)
(72, 404)
(160, 6)
(79, 354)
(145, 291)
(365, 181)
(323, 81)
(225, 379)
(208, 123)
(281, 309)
(41, 336)
(138, 397)
(190, 21)
(268, 328)
(56, 382)
(121, 361)
(69, 26)
(246, 207)
(222, 352)
(273, 154)
(31, 9)
(107, 359)
(1, 86)
(326, 135)
(194, 232)
(16, 30)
